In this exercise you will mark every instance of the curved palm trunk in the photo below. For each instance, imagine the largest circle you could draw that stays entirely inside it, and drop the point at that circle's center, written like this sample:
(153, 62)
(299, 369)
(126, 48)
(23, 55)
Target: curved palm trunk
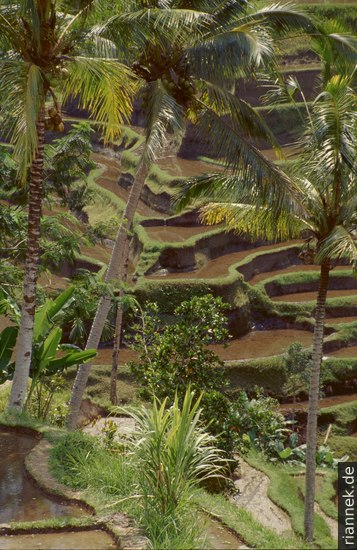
(24, 341)
(115, 270)
(117, 334)
(311, 435)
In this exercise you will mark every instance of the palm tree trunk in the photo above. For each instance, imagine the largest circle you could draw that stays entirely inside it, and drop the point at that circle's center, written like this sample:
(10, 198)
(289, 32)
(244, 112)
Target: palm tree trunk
(311, 434)
(24, 341)
(115, 271)
(117, 335)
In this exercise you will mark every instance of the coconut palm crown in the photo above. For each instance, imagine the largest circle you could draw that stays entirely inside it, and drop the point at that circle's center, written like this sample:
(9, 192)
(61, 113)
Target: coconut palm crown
(43, 57)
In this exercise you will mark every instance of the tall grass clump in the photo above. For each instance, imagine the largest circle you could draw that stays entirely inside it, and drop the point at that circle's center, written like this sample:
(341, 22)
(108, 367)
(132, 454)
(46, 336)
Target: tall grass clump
(174, 454)
(80, 461)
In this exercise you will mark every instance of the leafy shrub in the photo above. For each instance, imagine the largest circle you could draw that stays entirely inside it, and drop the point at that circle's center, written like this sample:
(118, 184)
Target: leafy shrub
(298, 368)
(258, 423)
(104, 229)
(296, 456)
(216, 414)
(174, 356)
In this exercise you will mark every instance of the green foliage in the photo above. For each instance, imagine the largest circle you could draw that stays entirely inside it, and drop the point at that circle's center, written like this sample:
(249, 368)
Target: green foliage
(106, 229)
(298, 369)
(168, 297)
(342, 444)
(87, 290)
(41, 406)
(249, 529)
(68, 163)
(342, 416)
(216, 414)
(70, 453)
(296, 456)
(46, 360)
(286, 493)
(268, 373)
(173, 454)
(7, 343)
(173, 356)
(258, 423)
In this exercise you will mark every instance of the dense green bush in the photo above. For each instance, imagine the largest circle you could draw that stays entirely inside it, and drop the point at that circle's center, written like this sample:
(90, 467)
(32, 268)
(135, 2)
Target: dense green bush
(173, 356)
(216, 414)
(298, 370)
(258, 423)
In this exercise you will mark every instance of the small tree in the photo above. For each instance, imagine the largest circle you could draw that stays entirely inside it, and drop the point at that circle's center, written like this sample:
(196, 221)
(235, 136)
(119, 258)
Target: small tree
(298, 369)
(175, 355)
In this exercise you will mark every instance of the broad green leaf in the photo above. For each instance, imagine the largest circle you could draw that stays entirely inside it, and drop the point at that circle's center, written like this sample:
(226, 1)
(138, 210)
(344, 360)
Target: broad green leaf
(285, 453)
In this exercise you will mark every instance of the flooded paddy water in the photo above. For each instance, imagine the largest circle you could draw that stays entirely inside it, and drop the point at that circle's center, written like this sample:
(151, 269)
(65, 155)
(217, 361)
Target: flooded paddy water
(262, 343)
(311, 296)
(75, 540)
(255, 344)
(20, 498)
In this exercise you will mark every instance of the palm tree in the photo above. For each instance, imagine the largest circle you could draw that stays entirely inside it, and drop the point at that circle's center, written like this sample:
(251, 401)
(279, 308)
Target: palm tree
(40, 61)
(190, 52)
(321, 199)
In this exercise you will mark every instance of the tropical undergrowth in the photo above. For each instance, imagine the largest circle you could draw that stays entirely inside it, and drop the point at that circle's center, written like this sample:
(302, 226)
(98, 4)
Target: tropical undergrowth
(153, 476)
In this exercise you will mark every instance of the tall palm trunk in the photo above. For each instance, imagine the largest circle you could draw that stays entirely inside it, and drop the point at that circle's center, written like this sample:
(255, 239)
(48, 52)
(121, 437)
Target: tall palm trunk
(115, 270)
(117, 334)
(24, 341)
(311, 435)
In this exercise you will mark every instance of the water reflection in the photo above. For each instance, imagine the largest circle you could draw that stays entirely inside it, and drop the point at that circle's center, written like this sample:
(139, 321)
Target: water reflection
(20, 498)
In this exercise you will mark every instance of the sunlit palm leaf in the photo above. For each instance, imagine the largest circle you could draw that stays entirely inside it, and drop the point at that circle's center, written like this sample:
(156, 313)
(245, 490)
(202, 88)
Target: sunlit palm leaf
(22, 87)
(258, 223)
(104, 87)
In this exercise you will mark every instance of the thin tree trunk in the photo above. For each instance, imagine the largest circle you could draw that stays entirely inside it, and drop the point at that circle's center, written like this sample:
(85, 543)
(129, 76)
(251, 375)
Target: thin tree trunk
(115, 271)
(25, 337)
(311, 434)
(117, 334)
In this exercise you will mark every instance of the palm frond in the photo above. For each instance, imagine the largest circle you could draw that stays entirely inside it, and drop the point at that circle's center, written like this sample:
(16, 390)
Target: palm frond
(164, 117)
(104, 87)
(332, 128)
(133, 29)
(23, 91)
(258, 223)
(246, 117)
(282, 18)
(340, 243)
(254, 171)
(230, 53)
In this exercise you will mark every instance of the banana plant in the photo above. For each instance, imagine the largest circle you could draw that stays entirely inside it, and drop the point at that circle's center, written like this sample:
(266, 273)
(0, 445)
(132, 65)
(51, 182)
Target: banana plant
(46, 361)
(49, 356)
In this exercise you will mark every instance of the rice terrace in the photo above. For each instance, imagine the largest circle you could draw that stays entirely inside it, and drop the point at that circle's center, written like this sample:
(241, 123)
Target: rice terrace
(178, 261)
